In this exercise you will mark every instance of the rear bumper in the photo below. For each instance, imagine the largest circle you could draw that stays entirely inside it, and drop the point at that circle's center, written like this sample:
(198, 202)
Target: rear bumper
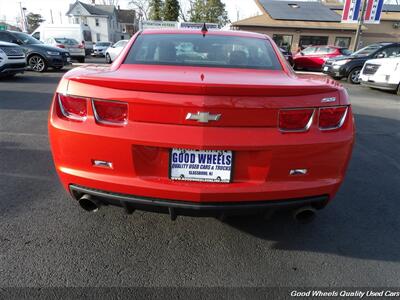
(263, 159)
(131, 202)
(380, 85)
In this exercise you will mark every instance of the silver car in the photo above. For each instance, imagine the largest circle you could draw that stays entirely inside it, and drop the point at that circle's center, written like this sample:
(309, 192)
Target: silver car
(99, 49)
(76, 50)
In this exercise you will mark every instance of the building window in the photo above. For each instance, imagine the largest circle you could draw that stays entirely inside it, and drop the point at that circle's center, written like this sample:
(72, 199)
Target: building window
(76, 20)
(306, 41)
(97, 22)
(98, 37)
(283, 41)
(343, 42)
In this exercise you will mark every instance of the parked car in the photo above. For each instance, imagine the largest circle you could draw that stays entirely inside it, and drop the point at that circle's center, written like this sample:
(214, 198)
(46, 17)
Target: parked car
(200, 134)
(78, 32)
(99, 49)
(313, 57)
(39, 56)
(113, 51)
(76, 50)
(350, 66)
(288, 55)
(12, 59)
(382, 73)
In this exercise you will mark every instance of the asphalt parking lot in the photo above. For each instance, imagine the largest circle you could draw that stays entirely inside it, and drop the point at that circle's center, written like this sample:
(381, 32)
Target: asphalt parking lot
(47, 240)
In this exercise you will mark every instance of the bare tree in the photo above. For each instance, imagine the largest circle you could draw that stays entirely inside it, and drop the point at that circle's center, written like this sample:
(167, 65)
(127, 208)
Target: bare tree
(185, 7)
(141, 7)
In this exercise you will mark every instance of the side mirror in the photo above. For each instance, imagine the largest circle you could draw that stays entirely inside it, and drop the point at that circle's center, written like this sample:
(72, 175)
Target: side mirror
(301, 53)
(16, 41)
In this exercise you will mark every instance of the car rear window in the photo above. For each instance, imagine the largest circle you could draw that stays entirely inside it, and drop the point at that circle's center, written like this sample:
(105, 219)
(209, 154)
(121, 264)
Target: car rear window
(207, 51)
(66, 41)
(346, 51)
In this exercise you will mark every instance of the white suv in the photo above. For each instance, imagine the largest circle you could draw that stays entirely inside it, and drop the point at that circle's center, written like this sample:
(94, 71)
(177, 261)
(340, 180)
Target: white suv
(383, 73)
(12, 59)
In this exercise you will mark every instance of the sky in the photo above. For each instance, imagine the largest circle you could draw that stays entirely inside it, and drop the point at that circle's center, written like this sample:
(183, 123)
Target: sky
(9, 9)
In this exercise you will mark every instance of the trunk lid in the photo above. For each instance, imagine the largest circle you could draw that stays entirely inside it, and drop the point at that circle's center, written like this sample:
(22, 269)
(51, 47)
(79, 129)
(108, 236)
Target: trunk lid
(243, 97)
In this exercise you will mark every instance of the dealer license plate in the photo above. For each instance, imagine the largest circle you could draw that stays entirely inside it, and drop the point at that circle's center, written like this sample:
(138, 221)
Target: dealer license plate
(201, 165)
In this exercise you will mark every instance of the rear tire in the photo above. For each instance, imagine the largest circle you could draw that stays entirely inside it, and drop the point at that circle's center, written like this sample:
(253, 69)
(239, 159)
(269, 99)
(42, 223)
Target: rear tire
(354, 76)
(108, 58)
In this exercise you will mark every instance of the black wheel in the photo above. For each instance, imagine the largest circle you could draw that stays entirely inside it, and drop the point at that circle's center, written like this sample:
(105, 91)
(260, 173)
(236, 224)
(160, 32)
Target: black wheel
(81, 59)
(354, 76)
(108, 58)
(37, 63)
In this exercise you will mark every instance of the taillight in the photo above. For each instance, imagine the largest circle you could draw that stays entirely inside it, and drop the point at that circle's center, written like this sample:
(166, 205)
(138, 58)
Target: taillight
(74, 108)
(110, 112)
(60, 46)
(295, 119)
(81, 46)
(332, 117)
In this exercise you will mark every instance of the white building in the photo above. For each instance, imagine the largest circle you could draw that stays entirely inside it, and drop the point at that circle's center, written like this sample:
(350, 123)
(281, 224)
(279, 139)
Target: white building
(107, 23)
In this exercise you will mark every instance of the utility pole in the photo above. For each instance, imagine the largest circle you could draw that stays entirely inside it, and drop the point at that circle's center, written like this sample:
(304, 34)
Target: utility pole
(51, 15)
(23, 18)
(360, 25)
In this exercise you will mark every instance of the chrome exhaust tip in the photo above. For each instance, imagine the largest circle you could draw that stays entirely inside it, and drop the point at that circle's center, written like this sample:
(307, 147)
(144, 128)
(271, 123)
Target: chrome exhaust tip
(89, 204)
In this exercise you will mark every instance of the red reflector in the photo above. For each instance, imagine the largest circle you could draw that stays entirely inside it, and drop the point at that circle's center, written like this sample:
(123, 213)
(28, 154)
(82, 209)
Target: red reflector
(295, 119)
(332, 117)
(74, 108)
(110, 112)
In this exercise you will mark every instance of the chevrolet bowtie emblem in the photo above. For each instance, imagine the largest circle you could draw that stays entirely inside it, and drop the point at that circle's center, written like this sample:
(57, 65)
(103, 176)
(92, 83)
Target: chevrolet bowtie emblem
(202, 117)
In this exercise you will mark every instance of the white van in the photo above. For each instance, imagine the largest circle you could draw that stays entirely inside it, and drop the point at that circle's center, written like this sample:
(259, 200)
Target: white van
(78, 32)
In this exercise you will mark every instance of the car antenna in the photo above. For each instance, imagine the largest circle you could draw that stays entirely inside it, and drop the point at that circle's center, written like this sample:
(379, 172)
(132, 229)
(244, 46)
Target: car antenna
(204, 30)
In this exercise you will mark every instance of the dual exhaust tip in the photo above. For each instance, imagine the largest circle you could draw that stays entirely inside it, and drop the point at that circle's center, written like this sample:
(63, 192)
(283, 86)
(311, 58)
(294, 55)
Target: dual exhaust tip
(303, 215)
(90, 204)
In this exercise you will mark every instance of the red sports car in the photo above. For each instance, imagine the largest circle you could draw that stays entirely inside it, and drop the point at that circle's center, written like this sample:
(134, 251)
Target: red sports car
(200, 123)
(313, 57)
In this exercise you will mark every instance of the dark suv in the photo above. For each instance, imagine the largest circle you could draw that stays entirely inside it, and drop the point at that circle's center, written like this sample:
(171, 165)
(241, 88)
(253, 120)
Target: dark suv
(39, 56)
(350, 66)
